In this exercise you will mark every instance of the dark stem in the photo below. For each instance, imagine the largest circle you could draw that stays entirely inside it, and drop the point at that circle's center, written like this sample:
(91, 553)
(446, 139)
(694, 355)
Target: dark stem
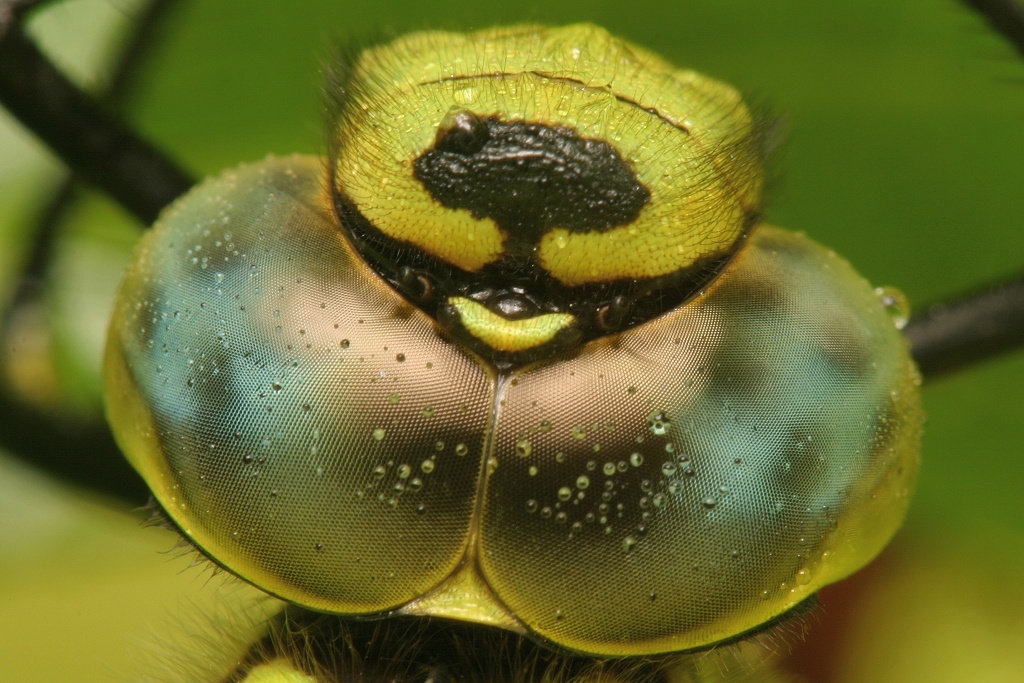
(82, 451)
(78, 451)
(97, 146)
(953, 335)
(1005, 16)
(43, 236)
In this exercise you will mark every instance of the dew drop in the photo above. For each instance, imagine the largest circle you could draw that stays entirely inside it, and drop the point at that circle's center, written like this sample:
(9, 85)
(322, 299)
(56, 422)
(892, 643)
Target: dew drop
(345, 343)
(628, 543)
(709, 502)
(803, 576)
(461, 449)
(533, 470)
(427, 466)
(658, 422)
(404, 471)
(379, 472)
(896, 305)
(564, 493)
(378, 434)
(395, 399)
(561, 518)
(582, 481)
(531, 505)
(668, 468)
(523, 448)
(608, 469)
(636, 460)
(428, 411)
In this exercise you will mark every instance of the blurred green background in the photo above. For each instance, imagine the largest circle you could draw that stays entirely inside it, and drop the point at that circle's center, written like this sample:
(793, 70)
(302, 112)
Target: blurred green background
(905, 154)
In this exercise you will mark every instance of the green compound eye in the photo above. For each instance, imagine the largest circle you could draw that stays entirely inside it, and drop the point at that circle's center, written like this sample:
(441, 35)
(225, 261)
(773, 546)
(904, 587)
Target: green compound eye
(285, 369)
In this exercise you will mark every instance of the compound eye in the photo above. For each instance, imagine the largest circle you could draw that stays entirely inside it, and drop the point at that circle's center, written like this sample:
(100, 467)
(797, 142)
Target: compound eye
(300, 422)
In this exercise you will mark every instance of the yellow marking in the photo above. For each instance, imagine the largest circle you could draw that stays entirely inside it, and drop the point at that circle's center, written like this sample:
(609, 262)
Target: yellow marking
(509, 335)
(277, 671)
(688, 138)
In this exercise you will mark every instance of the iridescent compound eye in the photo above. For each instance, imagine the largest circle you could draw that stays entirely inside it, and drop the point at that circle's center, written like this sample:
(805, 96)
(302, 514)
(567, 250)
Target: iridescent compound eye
(519, 358)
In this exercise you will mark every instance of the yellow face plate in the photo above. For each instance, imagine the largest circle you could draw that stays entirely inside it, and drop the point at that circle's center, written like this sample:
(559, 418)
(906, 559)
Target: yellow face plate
(509, 335)
(687, 138)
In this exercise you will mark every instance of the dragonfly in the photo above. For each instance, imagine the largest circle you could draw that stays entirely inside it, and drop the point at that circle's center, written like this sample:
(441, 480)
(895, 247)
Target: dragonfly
(817, 235)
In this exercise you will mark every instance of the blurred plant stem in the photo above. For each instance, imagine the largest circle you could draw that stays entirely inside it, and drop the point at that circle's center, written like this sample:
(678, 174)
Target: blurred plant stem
(73, 448)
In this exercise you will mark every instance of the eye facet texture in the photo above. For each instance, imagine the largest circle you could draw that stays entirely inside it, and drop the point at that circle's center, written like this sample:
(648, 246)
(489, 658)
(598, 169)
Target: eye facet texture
(657, 490)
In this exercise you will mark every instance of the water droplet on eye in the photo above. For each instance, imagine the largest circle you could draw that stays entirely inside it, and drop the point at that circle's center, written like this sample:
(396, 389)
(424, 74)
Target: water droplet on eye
(579, 433)
(561, 518)
(628, 543)
(582, 481)
(400, 358)
(608, 469)
(379, 472)
(439, 446)
(378, 434)
(636, 460)
(674, 486)
(415, 484)
(668, 468)
(564, 493)
(247, 458)
(427, 466)
(896, 305)
(631, 390)
(461, 449)
(545, 425)
(404, 471)
(658, 422)
(658, 500)
(803, 576)
(523, 448)
(345, 343)
(545, 512)
(533, 470)
(428, 411)
(319, 547)
(531, 505)
(709, 502)
(395, 399)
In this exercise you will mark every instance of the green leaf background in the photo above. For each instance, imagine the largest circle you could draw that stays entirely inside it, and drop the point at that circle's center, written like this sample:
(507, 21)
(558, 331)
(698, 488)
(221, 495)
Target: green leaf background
(905, 155)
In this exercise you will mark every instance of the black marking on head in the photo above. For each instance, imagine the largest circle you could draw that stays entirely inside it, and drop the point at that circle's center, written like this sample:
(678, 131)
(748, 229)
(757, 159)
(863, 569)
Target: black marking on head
(529, 177)
(518, 287)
